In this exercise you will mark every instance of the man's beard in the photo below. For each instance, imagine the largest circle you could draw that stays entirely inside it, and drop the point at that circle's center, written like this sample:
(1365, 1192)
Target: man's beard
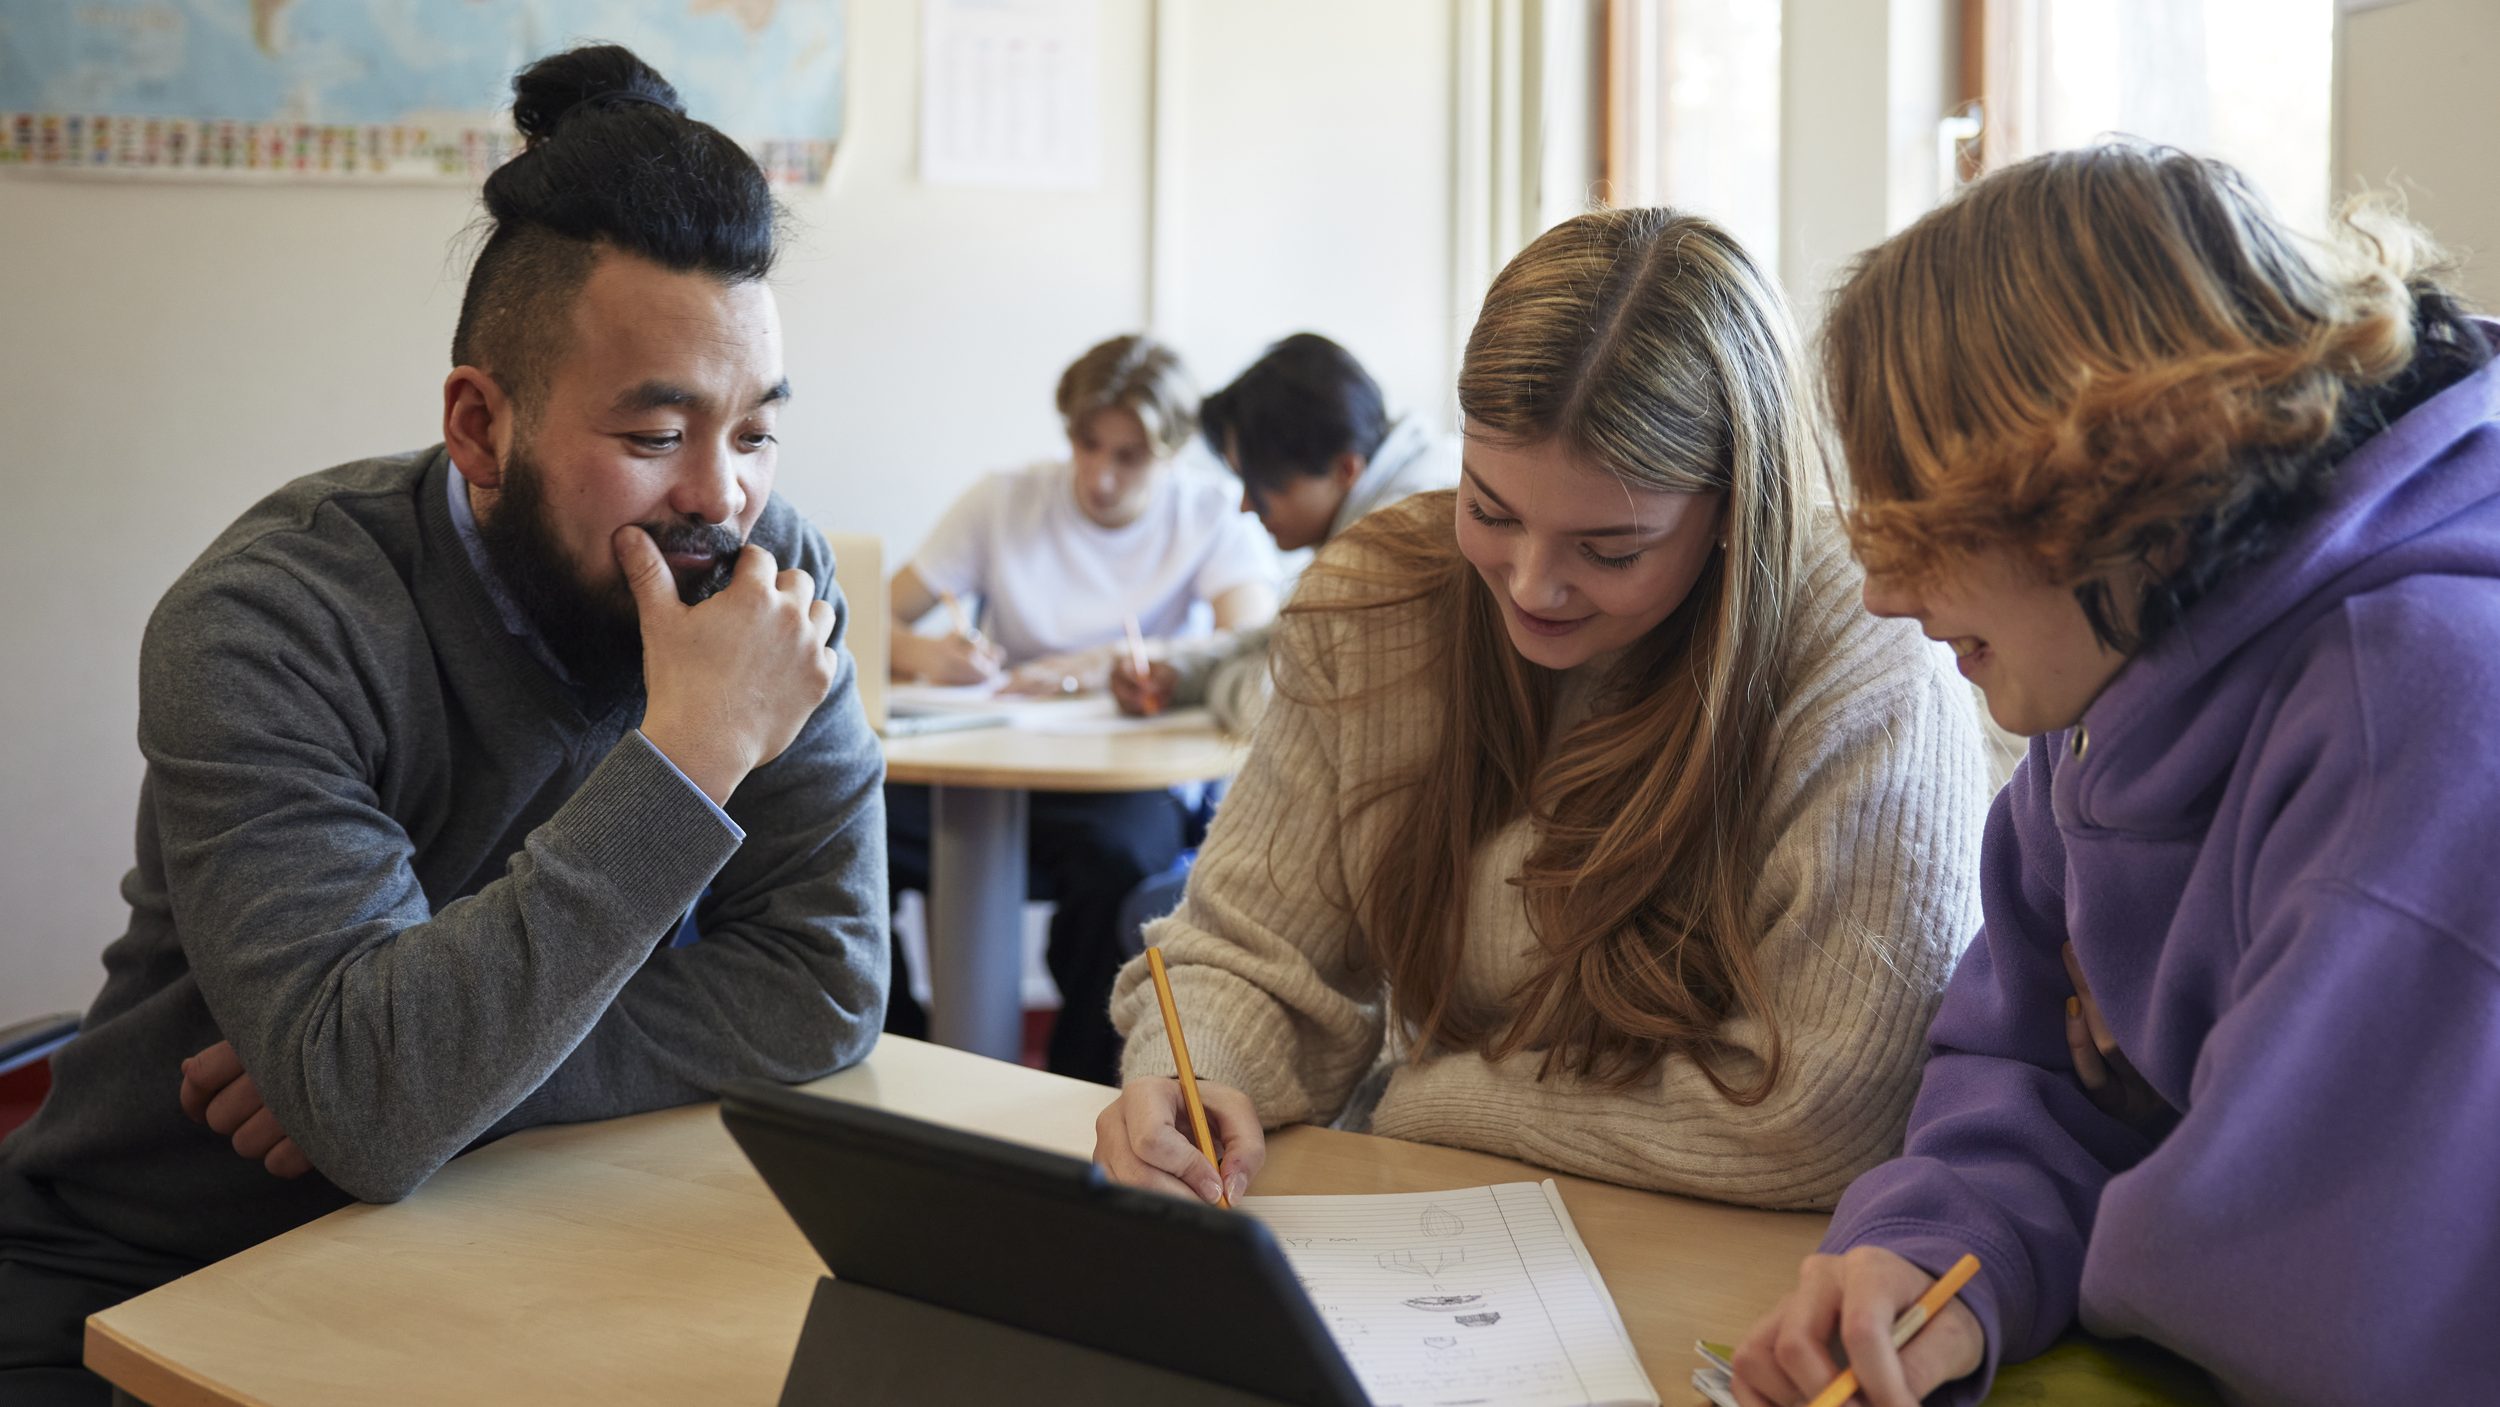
(594, 632)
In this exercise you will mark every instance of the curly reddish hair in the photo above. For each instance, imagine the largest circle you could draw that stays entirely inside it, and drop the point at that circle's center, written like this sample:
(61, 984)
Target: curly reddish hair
(2117, 363)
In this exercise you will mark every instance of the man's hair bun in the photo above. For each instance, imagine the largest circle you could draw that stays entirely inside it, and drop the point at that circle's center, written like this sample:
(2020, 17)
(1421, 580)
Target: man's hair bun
(597, 77)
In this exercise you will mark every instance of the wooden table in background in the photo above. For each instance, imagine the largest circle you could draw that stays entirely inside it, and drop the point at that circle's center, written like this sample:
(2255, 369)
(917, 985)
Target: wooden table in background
(979, 780)
(642, 1261)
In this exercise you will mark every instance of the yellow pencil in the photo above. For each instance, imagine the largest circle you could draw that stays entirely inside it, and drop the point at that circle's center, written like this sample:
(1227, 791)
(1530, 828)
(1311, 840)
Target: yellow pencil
(1189, 1080)
(1906, 1327)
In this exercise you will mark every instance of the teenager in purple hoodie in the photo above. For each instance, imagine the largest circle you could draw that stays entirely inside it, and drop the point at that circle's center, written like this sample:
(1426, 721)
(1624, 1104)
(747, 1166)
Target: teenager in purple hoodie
(2212, 513)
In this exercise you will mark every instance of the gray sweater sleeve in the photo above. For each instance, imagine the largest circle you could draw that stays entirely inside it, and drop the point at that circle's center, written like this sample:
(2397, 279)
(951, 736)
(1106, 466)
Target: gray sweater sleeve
(387, 1036)
(789, 979)
(1228, 674)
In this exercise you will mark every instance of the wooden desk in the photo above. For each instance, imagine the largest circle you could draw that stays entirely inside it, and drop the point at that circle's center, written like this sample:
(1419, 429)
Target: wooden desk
(979, 820)
(1027, 760)
(642, 1260)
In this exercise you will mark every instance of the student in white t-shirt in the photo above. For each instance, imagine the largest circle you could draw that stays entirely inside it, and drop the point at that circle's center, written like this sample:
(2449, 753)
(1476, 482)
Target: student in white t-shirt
(1052, 559)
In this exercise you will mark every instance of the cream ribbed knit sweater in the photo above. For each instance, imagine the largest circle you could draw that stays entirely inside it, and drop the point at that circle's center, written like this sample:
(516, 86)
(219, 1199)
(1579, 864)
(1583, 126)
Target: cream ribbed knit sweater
(1869, 892)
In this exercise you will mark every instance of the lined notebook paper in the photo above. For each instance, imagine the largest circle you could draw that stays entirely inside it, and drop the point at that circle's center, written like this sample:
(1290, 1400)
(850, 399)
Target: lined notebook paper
(1481, 1297)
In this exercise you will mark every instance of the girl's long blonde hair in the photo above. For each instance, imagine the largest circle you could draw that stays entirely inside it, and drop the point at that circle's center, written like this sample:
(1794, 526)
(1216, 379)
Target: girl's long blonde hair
(1652, 347)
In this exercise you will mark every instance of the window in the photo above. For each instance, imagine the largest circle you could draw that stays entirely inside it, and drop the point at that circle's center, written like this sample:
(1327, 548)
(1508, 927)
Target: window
(1693, 112)
(2249, 81)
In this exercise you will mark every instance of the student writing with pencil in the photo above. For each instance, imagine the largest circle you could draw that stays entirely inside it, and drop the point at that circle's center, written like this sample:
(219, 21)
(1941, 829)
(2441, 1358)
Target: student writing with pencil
(2213, 513)
(1592, 823)
(1057, 556)
(1057, 553)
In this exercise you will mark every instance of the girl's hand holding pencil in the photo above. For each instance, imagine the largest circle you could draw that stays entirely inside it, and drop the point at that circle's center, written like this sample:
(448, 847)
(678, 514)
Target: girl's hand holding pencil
(1145, 1139)
(1855, 1302)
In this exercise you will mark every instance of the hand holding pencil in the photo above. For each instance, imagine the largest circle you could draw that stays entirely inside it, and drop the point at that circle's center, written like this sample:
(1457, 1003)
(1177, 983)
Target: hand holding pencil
(983, 656)
(1183, 1135)
(961, 656)
(1140, 686)
(1904, 1332)
(1180, 1050)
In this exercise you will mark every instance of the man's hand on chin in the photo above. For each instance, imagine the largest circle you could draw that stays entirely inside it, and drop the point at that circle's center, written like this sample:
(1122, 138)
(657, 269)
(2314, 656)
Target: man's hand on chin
(733, 680)
(217, 1092)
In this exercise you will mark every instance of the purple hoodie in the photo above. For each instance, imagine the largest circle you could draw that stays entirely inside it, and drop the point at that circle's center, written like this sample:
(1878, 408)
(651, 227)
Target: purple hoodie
(2274, 841)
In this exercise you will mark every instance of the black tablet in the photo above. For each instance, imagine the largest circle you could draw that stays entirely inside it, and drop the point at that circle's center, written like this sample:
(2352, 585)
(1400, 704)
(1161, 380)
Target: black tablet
(1040, 1242)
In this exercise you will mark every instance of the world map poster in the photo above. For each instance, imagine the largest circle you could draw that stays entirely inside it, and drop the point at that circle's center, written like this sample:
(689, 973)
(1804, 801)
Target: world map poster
(386, 89)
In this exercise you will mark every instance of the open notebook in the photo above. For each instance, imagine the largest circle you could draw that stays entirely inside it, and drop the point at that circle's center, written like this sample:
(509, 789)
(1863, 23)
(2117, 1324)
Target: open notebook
(1483, 1296)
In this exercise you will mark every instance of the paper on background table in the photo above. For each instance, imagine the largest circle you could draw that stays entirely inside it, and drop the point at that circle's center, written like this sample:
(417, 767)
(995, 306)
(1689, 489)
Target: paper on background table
(1076, 717)
(969, 698)
(1480, 1295)
(1089, 714)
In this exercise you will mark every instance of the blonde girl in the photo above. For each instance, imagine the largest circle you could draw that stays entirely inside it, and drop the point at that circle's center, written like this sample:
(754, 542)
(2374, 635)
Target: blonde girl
(1593, 824)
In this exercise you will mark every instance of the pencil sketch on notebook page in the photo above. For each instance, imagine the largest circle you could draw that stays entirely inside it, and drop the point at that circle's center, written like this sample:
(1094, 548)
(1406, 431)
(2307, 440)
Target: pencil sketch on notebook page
(1481, 1295)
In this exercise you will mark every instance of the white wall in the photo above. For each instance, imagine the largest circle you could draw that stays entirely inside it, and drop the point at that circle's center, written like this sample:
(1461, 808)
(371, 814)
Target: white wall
(170, 355)
(170, 352)
(2416, 110)
(1306, 186)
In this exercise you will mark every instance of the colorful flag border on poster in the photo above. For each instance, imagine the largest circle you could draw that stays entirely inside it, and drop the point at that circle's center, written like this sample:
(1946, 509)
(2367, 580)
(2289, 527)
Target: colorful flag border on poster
(168, 146)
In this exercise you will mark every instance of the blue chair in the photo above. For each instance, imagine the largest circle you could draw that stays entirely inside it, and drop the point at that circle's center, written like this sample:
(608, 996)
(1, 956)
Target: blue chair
(1160, 894)
(1154, 897)
(26, 1042)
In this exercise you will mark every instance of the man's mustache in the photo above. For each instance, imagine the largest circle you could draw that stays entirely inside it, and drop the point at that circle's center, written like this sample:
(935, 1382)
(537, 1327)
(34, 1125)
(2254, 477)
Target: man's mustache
(714, 540)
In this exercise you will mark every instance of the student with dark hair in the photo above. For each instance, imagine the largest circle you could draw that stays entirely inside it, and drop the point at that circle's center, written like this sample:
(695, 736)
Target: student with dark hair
(2211, 511)
(1305, 430)
(513, 781)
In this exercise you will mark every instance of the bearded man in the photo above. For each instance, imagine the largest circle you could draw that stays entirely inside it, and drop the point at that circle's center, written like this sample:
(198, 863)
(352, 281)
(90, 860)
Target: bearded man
(514, 781)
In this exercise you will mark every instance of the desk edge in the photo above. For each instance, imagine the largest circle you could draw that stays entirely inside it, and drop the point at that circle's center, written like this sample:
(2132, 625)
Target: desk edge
(146, 1376)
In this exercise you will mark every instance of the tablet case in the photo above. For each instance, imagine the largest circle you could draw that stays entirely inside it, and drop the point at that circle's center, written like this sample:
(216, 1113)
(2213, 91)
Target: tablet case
(971, 1270)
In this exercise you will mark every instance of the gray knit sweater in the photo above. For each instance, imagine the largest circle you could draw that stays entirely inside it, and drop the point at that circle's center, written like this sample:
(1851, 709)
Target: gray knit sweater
(1868, 891)
(384, 851)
